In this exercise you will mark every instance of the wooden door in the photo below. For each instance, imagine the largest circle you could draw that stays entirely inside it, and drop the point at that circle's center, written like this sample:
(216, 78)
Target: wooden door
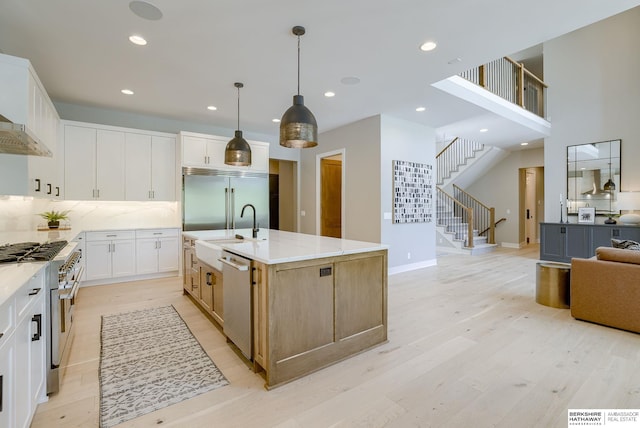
(331, 198)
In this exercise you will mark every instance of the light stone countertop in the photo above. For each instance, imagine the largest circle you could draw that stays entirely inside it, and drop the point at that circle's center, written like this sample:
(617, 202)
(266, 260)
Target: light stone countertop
(276, 246)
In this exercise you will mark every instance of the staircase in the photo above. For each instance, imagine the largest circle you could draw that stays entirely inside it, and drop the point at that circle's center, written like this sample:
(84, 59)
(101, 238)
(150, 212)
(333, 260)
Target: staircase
(463, 224)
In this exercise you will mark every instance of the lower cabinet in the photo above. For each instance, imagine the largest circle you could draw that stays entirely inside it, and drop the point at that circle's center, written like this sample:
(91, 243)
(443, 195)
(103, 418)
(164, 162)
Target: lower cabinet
(157, 250)
(122, 255)
(110, 254)
(561, 242)
(22, 356)
(203, 282)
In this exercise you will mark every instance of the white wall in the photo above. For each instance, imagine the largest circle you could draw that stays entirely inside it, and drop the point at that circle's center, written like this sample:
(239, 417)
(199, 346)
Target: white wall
(499, 188)
(402, 140)
(594, 87)
(361, 163)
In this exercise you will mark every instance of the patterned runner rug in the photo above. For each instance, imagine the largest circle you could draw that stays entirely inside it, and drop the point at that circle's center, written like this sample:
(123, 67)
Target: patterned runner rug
(149, 360)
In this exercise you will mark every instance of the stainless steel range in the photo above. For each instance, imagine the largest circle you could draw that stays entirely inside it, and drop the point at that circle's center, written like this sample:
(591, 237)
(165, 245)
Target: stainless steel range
(63, 273)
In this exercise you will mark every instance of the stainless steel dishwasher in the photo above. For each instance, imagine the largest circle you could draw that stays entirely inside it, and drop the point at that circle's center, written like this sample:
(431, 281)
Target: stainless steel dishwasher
(236, 277)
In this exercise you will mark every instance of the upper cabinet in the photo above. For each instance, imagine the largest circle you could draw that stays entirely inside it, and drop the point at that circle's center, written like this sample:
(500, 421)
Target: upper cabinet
(207, 151)
(94, 164)
(150, 167)
(23, 100)
(117, 164)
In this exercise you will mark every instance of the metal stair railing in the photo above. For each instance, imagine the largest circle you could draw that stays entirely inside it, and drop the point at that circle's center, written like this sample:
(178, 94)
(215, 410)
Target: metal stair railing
(456, 154)
(483, 216)
(458, 210)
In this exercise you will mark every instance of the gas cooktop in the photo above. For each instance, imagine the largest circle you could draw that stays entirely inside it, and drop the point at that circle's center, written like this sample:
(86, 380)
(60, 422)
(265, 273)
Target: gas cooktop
(30, 251)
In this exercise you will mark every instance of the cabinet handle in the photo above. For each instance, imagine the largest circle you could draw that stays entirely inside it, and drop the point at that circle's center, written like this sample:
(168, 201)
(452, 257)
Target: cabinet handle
(209, 278)
(38, 320)
(563, 229)
(34, 291)
(98, 192)
(111, 236)
(1, 389)
(37, 184)
(57, 190)
(49, 189)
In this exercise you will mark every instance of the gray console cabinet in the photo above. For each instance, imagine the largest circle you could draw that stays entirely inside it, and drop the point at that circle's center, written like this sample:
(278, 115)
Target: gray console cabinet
(560, 242)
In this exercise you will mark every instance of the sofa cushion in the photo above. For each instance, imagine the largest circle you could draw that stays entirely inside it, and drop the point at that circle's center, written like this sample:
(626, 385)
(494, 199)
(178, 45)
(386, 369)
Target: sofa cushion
(618, 255)
(626, 244)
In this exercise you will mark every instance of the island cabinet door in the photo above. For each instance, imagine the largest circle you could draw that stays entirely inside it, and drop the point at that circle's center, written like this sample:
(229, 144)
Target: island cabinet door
(302, 307)
(360, 296)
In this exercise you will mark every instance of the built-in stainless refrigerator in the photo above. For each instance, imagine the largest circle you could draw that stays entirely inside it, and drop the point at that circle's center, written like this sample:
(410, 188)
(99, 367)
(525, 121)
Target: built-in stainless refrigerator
(214, 199)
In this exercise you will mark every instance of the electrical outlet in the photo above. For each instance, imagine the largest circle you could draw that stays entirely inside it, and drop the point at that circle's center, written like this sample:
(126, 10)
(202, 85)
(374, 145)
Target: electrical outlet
(408, 256)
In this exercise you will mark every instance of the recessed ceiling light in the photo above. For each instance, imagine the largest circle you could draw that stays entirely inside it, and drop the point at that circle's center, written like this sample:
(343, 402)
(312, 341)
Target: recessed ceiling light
(329, 94)
(428, 46)
(145, 10)
(454, 61)
(137, 40)
(484, 130)
(212, 108)
(127, 91)
(275, 120)
(351, 80)
(524, 144)
(421, 109)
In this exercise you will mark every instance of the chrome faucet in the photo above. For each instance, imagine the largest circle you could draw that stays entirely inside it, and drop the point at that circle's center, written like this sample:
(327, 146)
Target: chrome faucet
(255, 229)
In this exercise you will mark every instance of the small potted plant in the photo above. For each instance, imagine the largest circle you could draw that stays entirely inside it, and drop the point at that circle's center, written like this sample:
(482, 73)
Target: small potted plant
(53, 218)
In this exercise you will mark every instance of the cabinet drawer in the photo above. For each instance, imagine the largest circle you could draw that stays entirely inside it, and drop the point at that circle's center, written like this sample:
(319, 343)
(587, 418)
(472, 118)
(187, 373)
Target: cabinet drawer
(156, 233)
(111, 235)
(7, 319)
(28, 293)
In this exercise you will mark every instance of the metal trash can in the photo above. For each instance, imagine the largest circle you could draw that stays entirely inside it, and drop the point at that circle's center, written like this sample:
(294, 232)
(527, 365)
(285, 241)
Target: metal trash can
(553, 284)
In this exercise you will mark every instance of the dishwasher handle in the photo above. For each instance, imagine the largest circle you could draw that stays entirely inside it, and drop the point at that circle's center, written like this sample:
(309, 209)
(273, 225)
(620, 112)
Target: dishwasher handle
(237, 266)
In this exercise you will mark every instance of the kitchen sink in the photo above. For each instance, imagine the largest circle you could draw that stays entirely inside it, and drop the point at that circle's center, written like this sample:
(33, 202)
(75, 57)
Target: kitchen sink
(209, 251)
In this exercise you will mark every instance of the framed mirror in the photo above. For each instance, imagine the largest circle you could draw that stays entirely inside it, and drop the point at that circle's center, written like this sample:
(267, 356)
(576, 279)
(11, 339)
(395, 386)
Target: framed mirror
(593, 177)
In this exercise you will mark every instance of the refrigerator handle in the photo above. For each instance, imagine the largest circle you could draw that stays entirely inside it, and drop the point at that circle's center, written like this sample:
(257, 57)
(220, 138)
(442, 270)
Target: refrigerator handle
(233, 208)
(226, 208)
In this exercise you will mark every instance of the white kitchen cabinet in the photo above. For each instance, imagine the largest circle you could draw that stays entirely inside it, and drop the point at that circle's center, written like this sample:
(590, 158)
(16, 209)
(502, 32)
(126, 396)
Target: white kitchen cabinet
(207, 151)
(202, 151)
(150, 167)
(29, 351)
(7, 379)
(157, 250)
(25, 101)
(94, 163)
(259, 157)
(110, 254)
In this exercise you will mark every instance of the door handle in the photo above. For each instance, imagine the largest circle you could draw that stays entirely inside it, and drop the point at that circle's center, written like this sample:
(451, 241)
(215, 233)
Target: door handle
(38, 320)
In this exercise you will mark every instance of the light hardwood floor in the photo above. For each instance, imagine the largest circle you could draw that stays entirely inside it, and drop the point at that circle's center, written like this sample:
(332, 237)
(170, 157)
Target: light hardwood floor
(468, 347)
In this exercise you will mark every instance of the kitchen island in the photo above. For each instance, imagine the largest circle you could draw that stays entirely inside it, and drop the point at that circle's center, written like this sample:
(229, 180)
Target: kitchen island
(315, 300)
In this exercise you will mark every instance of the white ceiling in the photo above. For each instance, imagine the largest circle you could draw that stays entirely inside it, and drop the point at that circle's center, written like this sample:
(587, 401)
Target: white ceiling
(199, 48)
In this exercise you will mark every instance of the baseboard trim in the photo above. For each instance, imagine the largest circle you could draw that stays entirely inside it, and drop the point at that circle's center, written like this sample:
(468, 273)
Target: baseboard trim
(510, 245)
(412, 266)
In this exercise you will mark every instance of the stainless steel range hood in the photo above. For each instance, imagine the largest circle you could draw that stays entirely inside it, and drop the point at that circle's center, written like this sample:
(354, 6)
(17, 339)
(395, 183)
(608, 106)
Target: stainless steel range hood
(16, 139)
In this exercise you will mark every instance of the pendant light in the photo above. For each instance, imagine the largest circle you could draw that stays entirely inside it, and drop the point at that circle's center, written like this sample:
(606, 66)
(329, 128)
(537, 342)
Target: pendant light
(298, 127)
(610, 187)
(238, 151)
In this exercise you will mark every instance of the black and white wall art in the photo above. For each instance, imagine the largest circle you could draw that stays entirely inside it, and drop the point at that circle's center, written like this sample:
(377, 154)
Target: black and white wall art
(413, 190)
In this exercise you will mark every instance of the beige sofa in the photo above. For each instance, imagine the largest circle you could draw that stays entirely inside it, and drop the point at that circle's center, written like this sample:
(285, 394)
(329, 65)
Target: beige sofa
(605, 289)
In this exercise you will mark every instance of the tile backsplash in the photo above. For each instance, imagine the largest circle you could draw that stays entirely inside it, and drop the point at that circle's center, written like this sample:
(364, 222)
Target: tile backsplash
(18, 213)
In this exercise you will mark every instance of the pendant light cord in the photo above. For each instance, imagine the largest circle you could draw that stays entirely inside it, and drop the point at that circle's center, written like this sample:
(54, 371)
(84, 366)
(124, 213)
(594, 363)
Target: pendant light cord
(298, 65)
(238, 109)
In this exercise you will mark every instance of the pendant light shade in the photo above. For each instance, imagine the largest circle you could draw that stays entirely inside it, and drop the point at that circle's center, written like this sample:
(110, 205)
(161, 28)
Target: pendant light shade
(298, 127)
(238, 151)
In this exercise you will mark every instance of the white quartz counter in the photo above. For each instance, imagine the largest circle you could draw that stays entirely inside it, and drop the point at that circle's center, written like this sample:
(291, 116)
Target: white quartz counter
(15, 275)
(275, 246)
